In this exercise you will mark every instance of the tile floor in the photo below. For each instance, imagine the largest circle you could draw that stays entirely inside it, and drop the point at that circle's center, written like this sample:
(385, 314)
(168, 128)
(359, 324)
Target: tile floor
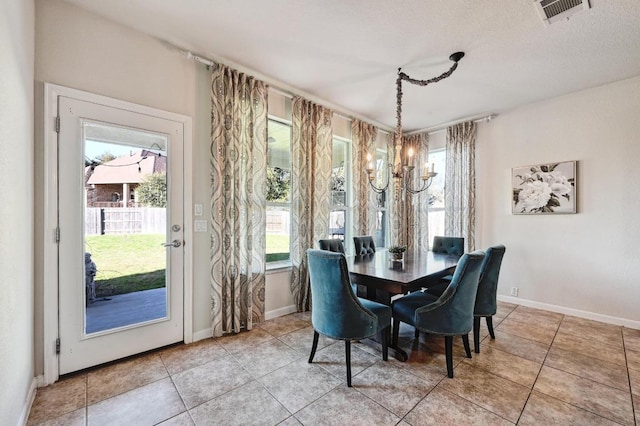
(542, 368)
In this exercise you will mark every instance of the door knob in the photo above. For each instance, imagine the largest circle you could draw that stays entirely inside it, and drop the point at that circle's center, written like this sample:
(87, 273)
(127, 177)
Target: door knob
(174, 243)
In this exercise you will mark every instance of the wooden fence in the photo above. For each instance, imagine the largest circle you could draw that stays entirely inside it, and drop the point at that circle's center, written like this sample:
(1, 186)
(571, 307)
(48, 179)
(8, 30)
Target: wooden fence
(119, 220)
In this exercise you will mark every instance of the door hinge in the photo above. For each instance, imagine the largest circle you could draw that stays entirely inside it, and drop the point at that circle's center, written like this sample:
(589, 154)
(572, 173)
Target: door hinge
(57, 235)
(58, 124)
(58, 345)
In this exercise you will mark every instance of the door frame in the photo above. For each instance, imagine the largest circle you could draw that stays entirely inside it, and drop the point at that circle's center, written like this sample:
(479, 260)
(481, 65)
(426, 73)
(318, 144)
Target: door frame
(50, 218)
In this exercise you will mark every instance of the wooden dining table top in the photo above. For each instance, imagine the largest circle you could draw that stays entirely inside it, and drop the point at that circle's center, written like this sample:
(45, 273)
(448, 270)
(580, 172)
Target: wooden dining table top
(418, 269)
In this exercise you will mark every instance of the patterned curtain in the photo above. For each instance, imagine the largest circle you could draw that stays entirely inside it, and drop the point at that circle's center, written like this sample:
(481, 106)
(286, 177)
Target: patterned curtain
(460, 183)
(238, 166)
(310, 189)
(363, 143)
(416, 223)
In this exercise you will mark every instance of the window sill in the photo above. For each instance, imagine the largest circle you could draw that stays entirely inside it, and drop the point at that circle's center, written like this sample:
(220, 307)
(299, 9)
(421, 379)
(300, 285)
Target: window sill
(275, 267)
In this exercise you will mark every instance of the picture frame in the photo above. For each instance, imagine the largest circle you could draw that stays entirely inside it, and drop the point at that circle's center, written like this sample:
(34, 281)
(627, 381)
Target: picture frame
(548, 188)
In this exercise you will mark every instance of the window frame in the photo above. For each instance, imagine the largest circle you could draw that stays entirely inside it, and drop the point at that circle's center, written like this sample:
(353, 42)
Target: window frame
(348, 185)
(433, 210)
(381, 162)
(285, 263)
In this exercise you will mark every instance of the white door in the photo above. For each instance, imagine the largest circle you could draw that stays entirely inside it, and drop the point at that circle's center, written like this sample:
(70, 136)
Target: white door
(121, 254)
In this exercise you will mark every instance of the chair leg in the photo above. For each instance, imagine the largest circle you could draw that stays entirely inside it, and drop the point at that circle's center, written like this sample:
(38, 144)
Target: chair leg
(476, 334)
(385, 343)
(347, 353)
(448, 350)
(467, 348)
(490, 327)
(314, 346)
(396, 331)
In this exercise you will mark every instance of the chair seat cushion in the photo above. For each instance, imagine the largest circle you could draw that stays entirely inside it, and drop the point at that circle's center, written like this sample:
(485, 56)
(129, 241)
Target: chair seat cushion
(439, 287)
(404, 309)
(383, 312)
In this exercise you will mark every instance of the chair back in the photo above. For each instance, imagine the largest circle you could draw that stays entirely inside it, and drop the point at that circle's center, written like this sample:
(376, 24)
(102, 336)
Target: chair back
(364, 245)
(332, 244)
(457, 300)
(335, 310)
(486, 304)
(449, 245)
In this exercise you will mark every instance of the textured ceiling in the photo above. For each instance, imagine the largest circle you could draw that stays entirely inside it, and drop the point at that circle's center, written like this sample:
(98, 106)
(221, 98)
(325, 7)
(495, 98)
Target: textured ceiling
(345, 53)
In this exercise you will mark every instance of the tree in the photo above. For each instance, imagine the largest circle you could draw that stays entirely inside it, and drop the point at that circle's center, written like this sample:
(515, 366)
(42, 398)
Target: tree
(278, 184)
(152, 192)
(100, 159)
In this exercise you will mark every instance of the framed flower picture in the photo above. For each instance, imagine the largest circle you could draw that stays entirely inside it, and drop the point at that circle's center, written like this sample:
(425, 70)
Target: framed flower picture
(544, 188)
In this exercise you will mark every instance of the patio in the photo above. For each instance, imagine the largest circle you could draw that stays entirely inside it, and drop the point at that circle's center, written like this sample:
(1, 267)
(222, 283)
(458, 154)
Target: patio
(126, 309)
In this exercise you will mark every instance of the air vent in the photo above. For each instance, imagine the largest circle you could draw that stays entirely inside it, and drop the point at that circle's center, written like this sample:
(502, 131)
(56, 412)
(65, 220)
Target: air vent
(556, 10)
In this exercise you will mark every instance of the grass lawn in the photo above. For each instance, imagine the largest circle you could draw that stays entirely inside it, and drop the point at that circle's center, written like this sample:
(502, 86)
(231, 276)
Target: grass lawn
(277, 247)
(127, 263)
(135, 262)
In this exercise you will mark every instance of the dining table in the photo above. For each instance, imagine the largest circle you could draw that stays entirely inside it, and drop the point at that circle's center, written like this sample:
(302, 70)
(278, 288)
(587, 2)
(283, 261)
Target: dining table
(380, 277)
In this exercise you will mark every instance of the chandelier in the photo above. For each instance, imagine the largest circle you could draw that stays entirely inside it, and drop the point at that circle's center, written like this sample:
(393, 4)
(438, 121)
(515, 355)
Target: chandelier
(399, 170)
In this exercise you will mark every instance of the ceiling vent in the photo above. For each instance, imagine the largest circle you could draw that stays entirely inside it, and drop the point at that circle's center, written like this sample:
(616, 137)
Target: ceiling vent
(556, 10)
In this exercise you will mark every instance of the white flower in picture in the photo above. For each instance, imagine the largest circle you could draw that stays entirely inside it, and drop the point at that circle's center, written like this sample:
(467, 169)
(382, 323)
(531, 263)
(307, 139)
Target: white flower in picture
(534, 195)
(547, 188)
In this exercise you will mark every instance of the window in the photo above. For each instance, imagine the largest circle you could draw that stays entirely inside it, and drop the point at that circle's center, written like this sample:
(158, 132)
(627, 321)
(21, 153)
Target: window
(382, 169)
(436, 194)
(339, 219)
(278, 221)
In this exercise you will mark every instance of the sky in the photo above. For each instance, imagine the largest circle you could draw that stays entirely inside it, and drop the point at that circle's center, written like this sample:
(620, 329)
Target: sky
(93, 149)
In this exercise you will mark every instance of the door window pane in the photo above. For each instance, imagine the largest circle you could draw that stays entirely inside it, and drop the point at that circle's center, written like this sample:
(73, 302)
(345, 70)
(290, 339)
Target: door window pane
(125, 188)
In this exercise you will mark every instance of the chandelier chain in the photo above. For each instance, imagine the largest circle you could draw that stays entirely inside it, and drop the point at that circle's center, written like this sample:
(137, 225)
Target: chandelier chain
(398, 169)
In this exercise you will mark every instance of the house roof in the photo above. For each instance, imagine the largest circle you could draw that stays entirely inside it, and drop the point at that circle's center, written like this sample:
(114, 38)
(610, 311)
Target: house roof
(132, 168)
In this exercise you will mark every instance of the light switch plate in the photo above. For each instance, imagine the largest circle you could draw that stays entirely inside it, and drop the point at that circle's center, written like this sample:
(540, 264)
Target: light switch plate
(197, 209)
(200, 225)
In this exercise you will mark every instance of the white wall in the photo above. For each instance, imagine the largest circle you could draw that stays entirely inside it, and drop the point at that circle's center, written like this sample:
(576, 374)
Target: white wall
(588, 262)
(16, 209)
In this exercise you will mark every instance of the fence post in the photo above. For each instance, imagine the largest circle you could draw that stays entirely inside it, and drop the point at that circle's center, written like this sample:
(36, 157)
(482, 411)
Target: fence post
(101, 221)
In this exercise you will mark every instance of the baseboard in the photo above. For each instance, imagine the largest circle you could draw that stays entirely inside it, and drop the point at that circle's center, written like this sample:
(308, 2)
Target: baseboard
(202, 334)
(40, 381)
(280, 312)
(31, 396)
(208, 332)
(570, 311)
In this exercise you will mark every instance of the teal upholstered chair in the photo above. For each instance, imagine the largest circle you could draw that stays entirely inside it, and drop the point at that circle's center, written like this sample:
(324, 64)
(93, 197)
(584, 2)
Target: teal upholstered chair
(447, 245)
(335, 245)
(486, 304)
(332, 244)
(336, 312)
(449, 315)
(364, 245)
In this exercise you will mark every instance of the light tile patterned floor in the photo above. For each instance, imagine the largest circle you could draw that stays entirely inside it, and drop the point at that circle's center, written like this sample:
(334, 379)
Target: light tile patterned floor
(542, 368)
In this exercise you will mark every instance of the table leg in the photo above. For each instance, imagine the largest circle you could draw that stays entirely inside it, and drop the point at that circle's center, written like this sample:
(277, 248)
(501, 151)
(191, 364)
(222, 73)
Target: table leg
(394, 351)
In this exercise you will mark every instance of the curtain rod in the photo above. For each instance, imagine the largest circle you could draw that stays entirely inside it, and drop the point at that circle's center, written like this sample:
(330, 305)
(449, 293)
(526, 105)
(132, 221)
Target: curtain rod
(346, 115)
(442, 127)
(285, 89)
